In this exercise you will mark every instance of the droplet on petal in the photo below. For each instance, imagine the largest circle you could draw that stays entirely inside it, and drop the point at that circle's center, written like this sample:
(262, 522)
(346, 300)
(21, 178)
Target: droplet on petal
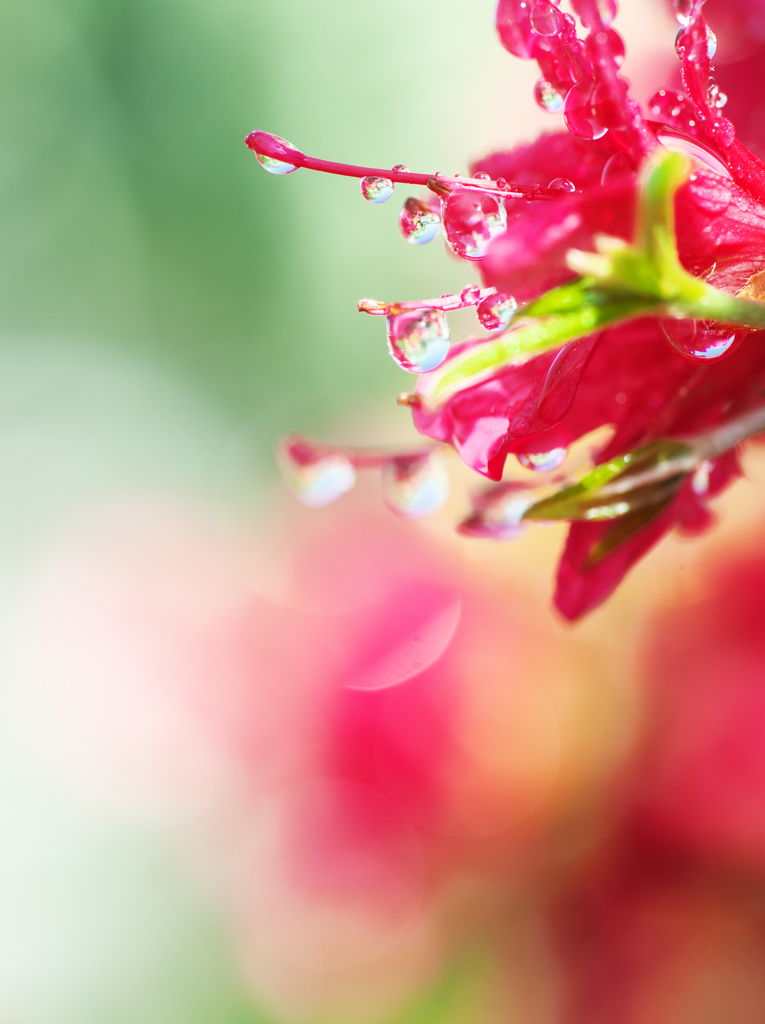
(418, 339)
(318, 477)
(617, 166)
(417, 222)
(700, 340)
(678, 141)
(272, 164)
(581, 113)
(482, 176)
(561, 185)
(548, 97)
(513, 23)
(543, 462)
(496, 311)
(376, 190)
(546, 19)
(471, 221)
(414, 485)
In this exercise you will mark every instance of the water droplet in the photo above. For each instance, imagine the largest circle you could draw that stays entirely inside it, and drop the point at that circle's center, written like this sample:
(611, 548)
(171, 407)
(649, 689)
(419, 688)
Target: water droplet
(496, 311)
(513, 23)
(700, 340)
(414, 485)
(711, 43)
(683, 10)
(417, 222)
(608, 10)
(272, 164)
(546, 19)
(520, 426)
(501, 183)
(318, 477)
(418, 339)
(562, 380)
(543, 462)
(498, 513)
(581, 114)
(700, 479)
(678, 141)
(469, 294)
(482, 176)
(561, 185)
(400, 168)
(672, 108)
(376, 190)
(615, 45)
(548, 97)
(471, 221)
(617, 167)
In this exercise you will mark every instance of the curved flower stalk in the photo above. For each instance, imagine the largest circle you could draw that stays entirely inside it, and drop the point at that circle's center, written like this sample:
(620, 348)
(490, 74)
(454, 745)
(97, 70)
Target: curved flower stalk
(623, 267)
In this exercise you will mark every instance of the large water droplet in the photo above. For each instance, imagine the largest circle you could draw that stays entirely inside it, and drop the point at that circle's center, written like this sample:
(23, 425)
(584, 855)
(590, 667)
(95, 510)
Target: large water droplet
(546, 19)
(316, 476)
(418, 339)
(543, 462)
(272, 164)
(618, 166)
(376, 190)
(414, 485)
(678, 141)
(496, 311)
(561, 186)
(471, 221)
(513, 22)
(700, 340)
(417, 222)
(581, 112)
(548, 97)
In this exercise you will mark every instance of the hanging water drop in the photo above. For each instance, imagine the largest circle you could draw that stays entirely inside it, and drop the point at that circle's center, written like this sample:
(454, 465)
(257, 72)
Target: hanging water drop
(318, 477)
(414, 485)
(417, 222)
(683, 11)
(496, 311)
(418, 339)
(561, 186)
(548, 97)
(700, 340)
(546, 19)
(513, 24)
(471, 221)
(678, 141)
(581, 113)
(376, 190)
(276, 163)
(543, 462)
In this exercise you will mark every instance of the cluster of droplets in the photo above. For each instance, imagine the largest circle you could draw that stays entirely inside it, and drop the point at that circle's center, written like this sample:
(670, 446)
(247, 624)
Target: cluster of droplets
(414, 484)
(418, 332)
(695, 45)
(579, 77)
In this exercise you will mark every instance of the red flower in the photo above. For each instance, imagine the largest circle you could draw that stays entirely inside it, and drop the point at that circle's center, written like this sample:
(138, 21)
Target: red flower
(519, 218)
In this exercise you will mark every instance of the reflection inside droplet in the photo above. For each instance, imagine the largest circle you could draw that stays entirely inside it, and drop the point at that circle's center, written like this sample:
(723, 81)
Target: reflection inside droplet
(418, 339)
(543, 462)
(376, 190)
(415, 485)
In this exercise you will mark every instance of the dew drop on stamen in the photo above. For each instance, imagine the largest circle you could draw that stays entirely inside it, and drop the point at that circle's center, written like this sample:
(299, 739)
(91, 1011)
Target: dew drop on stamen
(496, 311)
(548, 97)
(400, 169)
(471, 221)
(699, 340)
(418, 339)
(317, 477)
(482, 176)
(581, 115)
(417, 222)
(546, 19)
(414, 485)
(683, 10)
(273, 164)
(561, 186)
(376, 190)
(543, 462)
(469, 294)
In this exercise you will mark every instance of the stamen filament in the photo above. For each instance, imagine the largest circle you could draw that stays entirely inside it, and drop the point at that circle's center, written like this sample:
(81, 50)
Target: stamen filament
(469, 297)
(362, 457)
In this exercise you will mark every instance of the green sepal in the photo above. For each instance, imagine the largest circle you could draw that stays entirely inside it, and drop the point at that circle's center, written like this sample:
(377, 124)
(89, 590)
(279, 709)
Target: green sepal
(590, 499)
(621, 530)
